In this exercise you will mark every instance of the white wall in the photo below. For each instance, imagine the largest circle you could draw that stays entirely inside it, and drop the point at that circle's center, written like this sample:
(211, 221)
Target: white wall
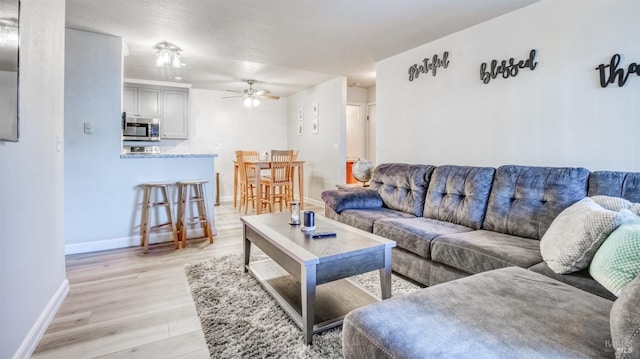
(223, 126)
(357, 94)
(556, 115)
(325, 151)
(32, 267)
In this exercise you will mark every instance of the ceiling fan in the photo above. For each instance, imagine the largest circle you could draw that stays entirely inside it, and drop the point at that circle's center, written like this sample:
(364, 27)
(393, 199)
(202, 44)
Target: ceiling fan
(253, 96)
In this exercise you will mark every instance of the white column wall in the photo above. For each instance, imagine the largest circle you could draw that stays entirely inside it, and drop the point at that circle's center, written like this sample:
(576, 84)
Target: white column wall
(32, 263)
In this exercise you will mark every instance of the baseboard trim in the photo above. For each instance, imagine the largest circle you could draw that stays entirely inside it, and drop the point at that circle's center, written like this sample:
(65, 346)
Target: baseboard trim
(314, 201)
(125, 242)
(30, 343)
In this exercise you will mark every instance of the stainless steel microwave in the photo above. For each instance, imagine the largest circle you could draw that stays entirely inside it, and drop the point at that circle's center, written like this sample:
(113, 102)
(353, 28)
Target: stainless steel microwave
(140, 128)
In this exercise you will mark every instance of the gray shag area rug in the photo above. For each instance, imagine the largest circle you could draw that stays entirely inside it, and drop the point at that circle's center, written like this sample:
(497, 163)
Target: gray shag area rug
(241, 320)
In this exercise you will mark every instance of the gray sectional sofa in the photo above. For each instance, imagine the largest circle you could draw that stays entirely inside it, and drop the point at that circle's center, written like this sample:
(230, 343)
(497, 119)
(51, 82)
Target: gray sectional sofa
(472, 234)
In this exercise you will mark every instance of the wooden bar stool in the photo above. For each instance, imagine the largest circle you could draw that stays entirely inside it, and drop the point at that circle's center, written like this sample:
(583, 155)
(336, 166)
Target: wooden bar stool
(149, 201)
(192, 192)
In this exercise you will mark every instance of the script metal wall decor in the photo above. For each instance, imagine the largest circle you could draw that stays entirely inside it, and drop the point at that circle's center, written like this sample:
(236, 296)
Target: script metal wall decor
(506, 68)
(610, 73)
(429, 65)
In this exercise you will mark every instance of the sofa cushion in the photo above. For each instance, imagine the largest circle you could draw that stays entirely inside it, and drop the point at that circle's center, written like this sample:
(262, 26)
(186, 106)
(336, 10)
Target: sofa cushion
(525, 200)
(459, 194)
(581, 280)
(506, 313)
(354, 198)
(415, 234)
(480, 251)
(364, 218)
(574, 236)
(617, 261)
(401, 186)
(625, 322)
(615, 184)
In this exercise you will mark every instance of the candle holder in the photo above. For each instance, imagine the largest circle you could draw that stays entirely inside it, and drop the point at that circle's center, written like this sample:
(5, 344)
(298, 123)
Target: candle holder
(309, 224)
(295, 213)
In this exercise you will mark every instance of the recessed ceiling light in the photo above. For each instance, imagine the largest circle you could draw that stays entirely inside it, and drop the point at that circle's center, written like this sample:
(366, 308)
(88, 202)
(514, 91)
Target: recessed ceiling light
(177, 78)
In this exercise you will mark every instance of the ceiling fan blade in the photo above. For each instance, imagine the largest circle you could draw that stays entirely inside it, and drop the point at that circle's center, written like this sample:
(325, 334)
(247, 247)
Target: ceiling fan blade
(262, 92)
(269, 97)
(234, 91)
(233, 96)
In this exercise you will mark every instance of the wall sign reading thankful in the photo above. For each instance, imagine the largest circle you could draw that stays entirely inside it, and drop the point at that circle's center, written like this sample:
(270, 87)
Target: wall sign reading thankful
(506, 68)
(416, 70)
(609, 73)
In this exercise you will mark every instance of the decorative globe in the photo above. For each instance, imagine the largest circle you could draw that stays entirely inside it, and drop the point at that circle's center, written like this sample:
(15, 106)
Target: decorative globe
(362, 170)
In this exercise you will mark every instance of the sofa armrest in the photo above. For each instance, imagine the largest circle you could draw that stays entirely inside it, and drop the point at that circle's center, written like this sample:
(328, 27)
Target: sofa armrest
(356, 198)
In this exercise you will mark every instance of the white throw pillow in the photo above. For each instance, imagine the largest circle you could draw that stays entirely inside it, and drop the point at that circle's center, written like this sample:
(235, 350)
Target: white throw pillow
(575, 235)
(616, 204)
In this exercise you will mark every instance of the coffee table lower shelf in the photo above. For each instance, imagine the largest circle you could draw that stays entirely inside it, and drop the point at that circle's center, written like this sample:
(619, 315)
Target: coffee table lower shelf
(332, 303)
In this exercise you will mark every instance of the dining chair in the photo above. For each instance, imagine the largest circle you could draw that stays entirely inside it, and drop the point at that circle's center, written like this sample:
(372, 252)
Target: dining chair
(294, 158)
(278, 184)
(247, 178)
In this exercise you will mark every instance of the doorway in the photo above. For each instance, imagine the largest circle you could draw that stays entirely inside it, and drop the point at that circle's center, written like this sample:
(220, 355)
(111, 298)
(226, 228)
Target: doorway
(356, 138)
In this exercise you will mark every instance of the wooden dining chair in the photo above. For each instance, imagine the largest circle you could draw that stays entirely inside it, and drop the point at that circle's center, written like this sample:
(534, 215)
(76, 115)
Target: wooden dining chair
(294, 158)
(247, 178)
(278, 184)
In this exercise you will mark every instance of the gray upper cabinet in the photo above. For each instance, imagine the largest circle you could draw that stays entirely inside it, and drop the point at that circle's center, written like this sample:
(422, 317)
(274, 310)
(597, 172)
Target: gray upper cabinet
(174, 121)
(149, 102)
(130, 100)
(170, 105)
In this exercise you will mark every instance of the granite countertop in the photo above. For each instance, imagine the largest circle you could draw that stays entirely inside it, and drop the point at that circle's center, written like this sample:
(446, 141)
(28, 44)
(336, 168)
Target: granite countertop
(168, 155)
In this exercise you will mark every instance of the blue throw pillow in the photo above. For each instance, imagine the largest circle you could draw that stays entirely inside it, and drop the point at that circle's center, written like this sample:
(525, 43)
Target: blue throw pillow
(356, 198)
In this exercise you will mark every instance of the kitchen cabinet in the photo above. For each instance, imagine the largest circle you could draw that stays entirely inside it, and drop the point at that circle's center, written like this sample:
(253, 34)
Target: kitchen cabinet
(142, 102)
(168, 104)
(174, 119)
(149, 102)
(130, 100)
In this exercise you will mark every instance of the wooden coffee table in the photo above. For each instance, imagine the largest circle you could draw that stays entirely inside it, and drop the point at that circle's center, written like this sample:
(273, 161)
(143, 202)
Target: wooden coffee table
(307, 276)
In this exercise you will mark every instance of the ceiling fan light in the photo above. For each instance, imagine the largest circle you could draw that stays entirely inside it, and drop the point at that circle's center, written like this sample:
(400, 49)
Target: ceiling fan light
(175, 62)
(168, 54)
(255, 102)
(247, 102)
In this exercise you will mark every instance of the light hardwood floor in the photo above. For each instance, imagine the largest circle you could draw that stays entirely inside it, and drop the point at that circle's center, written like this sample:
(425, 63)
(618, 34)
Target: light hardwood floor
(125, 304)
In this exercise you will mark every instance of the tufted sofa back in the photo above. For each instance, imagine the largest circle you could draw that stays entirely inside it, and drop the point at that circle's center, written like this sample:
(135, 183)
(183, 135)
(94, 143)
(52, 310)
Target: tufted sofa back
(615, 184)
(459, 194)
(524, 200)
(402, 186)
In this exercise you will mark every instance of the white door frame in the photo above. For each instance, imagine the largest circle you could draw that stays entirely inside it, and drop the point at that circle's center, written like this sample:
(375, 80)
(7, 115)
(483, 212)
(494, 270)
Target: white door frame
(362, 128)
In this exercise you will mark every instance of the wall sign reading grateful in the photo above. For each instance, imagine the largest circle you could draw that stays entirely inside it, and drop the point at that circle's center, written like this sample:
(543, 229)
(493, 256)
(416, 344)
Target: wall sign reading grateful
(416, 70)
(506, 68)
(609, 73)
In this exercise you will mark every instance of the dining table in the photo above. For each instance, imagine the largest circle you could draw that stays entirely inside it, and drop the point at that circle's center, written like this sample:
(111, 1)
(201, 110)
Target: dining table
(297, 165)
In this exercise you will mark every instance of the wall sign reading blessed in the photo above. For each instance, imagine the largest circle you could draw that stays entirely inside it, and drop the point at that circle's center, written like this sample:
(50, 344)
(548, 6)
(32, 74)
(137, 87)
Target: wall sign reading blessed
(506, 68)
(416, 70)
(609, 73)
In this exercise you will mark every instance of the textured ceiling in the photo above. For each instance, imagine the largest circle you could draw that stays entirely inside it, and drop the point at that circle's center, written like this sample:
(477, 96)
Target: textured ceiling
(285, 45)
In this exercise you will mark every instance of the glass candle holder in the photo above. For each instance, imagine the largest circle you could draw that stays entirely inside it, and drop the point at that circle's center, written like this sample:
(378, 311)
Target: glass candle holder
(295, 212)
(309, 222)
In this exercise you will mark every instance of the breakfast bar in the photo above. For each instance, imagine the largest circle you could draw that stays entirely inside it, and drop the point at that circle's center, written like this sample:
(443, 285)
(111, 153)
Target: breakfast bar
(119, 194)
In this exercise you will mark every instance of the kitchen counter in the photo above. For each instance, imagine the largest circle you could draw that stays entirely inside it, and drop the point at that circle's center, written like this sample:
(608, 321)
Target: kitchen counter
(115, 183)
(167, 155)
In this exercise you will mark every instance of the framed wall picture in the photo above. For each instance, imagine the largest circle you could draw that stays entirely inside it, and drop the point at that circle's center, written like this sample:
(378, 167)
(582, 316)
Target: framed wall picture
(315, 109)
(300, 113)
(314, 126)
(300, 128)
